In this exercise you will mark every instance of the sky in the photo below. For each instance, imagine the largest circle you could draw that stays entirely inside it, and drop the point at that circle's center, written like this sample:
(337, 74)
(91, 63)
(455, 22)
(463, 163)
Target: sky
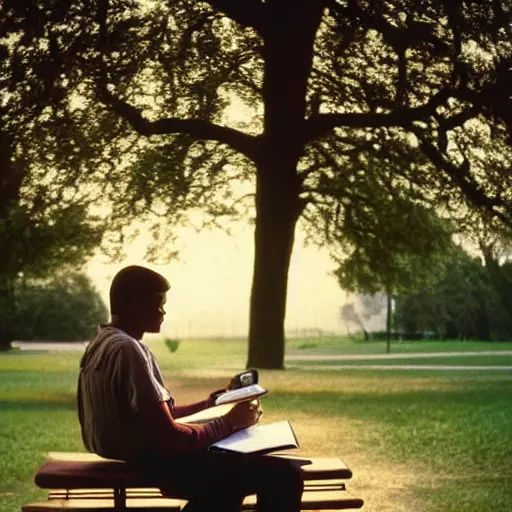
(211, 283)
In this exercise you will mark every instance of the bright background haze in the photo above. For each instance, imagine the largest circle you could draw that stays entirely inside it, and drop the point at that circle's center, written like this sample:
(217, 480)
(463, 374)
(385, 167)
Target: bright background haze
(211, 284)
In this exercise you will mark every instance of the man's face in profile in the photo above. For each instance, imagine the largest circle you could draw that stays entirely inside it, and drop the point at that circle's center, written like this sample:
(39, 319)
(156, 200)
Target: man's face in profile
(151, 312)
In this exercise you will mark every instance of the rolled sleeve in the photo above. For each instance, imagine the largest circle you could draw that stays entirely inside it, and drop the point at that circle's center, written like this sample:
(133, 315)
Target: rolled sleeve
(142, 386)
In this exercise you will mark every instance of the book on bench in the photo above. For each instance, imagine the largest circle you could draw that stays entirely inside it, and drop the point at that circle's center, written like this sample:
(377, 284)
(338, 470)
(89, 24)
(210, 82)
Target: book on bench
(259, 439)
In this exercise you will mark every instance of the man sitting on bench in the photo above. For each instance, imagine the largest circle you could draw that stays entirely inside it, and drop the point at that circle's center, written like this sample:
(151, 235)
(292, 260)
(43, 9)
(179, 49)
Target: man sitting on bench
(127, 413)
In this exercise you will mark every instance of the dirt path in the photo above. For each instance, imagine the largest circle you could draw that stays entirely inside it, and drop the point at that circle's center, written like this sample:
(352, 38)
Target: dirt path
(52, 346)
(436, 367)
(408, 355)
(297, 360)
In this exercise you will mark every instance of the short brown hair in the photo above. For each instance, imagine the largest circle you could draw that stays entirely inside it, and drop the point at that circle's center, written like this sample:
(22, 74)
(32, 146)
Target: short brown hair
(134, 283)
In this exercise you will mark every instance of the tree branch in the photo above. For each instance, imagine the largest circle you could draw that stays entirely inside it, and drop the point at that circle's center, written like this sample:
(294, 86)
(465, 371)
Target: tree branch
(399, 38)
(493, 98)
(461, 176)
(248, 145)
(248, 13)
(447, 124)
(320, 124)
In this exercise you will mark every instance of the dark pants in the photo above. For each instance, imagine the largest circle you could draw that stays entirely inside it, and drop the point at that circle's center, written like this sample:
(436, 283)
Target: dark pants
(220, 481)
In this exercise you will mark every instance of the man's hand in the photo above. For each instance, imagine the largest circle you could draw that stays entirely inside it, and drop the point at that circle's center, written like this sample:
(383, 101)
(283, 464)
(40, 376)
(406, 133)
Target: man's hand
(233, 383)
(210, 401)
(245, 414)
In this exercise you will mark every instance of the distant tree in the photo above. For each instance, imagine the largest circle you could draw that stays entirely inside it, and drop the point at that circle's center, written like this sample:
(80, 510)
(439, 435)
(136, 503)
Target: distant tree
(372, 305)
(65, 307)
(349, 316)
(494, 244)
(501, 278)
(335, 92)
(464, 304)
(359, 312)
(398, 248)
(37, 247)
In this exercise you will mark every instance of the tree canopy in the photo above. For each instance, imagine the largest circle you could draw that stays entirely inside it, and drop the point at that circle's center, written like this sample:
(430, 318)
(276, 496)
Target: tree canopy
(471, 301)
(63, 307)
(342, 100)
(393, 248)
(53, 163)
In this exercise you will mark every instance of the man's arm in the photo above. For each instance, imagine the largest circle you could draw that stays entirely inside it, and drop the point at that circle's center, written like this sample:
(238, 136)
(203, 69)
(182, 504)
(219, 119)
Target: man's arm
(179, 411)
(172, 438)
(149, 402)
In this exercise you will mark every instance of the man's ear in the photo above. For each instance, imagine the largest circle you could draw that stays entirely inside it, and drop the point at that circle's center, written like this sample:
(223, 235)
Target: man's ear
(129, 308)
(134, 305)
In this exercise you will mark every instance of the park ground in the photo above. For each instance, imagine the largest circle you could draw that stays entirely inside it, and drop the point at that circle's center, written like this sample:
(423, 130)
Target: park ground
(426, 428)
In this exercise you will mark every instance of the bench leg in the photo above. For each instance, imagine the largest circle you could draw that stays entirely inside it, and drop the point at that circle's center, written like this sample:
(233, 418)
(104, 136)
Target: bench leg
(120, 499)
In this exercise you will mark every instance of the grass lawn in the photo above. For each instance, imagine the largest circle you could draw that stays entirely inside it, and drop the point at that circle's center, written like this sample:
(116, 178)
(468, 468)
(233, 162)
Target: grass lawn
(416, 440)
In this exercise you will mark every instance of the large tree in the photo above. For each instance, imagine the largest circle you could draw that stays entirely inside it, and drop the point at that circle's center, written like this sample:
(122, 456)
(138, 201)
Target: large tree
(323, 83)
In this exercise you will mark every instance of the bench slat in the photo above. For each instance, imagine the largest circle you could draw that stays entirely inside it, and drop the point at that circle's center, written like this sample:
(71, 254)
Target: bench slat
(78, 471)
(320, 467)
(149, 505)
(321, 485)
(311, 500)
(331, 466)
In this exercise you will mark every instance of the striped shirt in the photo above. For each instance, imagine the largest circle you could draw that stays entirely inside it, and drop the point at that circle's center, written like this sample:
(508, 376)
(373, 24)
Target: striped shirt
(118, 374)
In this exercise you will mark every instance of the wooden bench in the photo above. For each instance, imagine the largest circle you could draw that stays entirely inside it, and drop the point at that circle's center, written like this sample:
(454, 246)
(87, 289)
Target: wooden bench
(83, 481)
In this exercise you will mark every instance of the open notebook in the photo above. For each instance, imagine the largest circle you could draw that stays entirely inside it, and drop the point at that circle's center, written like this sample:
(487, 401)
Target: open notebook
(260, 438)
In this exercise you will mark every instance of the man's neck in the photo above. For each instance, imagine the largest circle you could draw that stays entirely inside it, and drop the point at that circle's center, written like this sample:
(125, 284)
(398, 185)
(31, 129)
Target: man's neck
(128, 327)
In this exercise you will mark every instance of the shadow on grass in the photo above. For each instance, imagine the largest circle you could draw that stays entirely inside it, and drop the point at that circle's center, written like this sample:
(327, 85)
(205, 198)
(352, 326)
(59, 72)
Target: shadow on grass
(445, 429)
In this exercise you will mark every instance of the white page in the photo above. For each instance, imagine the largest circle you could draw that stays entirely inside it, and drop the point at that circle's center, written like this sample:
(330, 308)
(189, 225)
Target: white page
(244, 393)
(260, 438)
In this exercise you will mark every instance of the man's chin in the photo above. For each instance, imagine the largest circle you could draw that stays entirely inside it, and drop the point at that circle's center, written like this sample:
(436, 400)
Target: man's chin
(154, 329)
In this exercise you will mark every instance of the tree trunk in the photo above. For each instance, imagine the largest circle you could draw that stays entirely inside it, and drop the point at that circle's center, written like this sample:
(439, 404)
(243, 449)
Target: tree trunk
(288, 53)
(276, 216)
(6, 313)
